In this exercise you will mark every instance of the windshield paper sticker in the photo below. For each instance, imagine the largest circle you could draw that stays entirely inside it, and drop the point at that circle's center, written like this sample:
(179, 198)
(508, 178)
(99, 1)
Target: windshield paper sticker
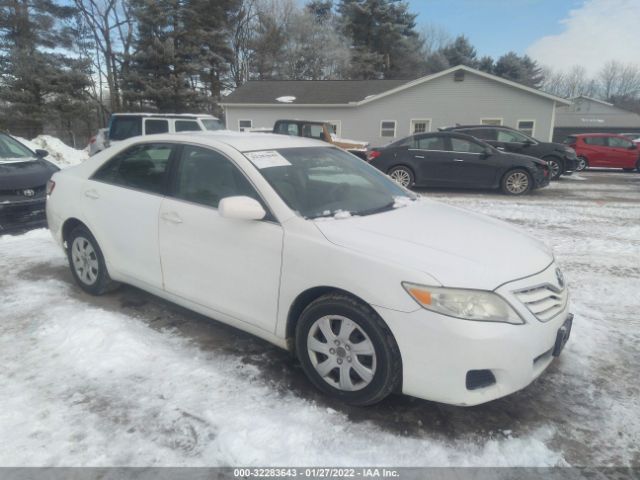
(267, 159)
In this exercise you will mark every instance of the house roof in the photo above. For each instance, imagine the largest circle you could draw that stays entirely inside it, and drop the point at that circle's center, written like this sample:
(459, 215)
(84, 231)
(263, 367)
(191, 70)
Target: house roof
(346, 92)
(314, 92)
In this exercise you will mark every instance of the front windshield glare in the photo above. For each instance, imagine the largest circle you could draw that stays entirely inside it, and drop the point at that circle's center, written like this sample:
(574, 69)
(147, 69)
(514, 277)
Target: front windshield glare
(325, 181)
(10, 148)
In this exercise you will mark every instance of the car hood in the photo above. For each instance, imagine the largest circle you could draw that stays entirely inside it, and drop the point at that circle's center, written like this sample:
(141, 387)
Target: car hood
(456, 247)
(25, 174)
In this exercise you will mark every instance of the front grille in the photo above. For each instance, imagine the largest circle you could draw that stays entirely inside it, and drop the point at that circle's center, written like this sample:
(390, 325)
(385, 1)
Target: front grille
(544, 301)
(21, 216)
(27, 193)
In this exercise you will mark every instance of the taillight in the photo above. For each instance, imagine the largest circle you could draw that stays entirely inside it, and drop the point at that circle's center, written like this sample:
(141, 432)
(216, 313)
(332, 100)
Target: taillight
(50, 186)
(373, 154)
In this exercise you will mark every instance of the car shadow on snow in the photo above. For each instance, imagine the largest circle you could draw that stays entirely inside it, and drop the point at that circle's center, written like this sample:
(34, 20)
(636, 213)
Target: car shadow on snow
(519, 413)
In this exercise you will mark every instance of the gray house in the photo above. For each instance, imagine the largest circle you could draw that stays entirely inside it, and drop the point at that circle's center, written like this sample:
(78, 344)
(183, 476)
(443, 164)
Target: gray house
(380, 111)
(589, 115)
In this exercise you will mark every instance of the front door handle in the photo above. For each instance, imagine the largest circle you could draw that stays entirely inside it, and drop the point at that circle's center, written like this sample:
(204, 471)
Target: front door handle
(171, 217)
(458, 159)
(91, 194)
(418, 156)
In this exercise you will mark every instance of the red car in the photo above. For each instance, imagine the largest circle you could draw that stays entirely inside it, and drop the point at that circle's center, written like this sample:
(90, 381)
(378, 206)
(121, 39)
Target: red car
(605, 150)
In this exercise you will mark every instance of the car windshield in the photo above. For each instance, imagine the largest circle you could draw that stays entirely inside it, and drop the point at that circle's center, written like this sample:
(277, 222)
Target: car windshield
(212, 124)
(325, 181)
(11, 150)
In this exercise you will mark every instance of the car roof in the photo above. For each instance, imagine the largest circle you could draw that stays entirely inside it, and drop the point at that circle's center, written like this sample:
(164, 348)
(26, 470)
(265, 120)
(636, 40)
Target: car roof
(241, 141)
(315, 122)
(597, 135)
(165, 115)
(455, 127)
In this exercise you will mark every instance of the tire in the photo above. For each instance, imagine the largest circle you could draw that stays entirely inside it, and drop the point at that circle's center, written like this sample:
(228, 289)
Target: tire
(638, 166)
(555, 167)
(356, 379)
(87, 262)
(516, 182)
(582, 164)
(403, 175)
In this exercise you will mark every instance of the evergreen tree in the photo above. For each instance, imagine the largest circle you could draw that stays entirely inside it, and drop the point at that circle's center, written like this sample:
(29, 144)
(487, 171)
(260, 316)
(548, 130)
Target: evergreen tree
(460, 52)
(519, 69)
(37, 75)
(486, 64)
(384, 41)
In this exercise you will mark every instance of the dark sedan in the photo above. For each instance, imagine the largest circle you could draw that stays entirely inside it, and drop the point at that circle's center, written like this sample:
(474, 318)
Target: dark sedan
(458, 161)
(23, 178)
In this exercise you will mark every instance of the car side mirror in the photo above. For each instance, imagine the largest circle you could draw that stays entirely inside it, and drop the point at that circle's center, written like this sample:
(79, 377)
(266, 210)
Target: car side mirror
(241, 208)
(42, 153)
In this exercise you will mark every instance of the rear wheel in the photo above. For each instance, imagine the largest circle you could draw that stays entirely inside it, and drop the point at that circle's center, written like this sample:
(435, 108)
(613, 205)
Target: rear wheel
(582, 164)
(517, 182)
(347, 351)
(87, 262)
(403, 175)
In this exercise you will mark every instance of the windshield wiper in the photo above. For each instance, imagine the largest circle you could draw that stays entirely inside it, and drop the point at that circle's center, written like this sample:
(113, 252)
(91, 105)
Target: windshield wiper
(383, 208)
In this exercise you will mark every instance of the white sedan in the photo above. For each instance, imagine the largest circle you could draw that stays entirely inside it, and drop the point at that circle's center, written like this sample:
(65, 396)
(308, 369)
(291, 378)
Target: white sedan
(375, 289)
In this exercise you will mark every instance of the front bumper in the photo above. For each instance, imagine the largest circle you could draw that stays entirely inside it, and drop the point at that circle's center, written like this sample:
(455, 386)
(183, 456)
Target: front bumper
(438, 352)
(570, 164)
(541, 177)
(20, 216)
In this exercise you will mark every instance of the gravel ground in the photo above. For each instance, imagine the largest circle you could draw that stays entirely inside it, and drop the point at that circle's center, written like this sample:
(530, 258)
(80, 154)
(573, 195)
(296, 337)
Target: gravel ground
(129, 379)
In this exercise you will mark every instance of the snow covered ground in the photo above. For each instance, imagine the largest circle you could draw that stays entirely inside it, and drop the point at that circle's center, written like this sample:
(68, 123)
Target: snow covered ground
(128, 379)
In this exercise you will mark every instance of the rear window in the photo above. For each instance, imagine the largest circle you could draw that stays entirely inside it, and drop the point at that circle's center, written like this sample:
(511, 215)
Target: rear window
(122, 128)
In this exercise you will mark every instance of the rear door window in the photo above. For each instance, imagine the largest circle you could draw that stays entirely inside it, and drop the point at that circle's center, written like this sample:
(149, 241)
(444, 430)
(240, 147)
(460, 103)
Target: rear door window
(153, 126)
(617, 142)
(141, 167)
(123, 127)
(187, 126)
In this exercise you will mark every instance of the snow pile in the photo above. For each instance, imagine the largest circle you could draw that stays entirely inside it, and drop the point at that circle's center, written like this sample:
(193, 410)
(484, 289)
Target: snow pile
(59, 152)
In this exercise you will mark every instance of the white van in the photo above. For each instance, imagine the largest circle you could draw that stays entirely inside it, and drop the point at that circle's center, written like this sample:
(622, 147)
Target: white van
(127, 125)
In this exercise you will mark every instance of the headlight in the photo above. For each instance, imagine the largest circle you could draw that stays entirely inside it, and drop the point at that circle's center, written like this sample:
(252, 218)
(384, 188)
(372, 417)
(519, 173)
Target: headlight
(466, 304)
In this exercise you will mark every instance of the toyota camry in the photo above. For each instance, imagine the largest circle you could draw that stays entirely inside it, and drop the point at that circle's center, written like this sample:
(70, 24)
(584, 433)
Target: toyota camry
(375, 289)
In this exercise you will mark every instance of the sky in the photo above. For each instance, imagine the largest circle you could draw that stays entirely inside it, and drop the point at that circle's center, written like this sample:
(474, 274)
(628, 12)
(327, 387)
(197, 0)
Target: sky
(557, 33)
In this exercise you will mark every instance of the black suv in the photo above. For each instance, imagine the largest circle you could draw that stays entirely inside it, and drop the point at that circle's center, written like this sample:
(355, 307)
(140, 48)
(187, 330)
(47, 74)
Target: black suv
(562, 160)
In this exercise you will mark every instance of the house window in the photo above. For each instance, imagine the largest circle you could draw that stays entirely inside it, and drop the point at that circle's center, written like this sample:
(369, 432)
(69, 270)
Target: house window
(244, 125)
(388, 128)
(491, 121)
(527, 127)
(420, 126)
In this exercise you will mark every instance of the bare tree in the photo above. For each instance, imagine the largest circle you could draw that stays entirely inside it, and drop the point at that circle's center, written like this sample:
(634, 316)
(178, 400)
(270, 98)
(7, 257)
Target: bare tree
(242, 30)
(111, 25)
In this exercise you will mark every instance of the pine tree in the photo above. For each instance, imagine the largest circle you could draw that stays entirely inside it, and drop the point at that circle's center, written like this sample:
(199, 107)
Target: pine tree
(460, 52)
(37, 74)
(519, 69)
(384, 41)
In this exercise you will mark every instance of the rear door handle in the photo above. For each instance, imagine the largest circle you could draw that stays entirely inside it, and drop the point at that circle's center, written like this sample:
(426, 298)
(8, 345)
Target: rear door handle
(418, 156)
(171, 217)
(458, 159)
(91, 194)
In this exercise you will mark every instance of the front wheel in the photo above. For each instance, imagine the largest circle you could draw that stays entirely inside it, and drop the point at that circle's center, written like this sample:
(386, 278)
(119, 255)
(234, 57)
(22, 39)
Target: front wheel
(87, 262)
(582, 164)
(347, 351)
(516, 182)
(403, 175)
(555, 167)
